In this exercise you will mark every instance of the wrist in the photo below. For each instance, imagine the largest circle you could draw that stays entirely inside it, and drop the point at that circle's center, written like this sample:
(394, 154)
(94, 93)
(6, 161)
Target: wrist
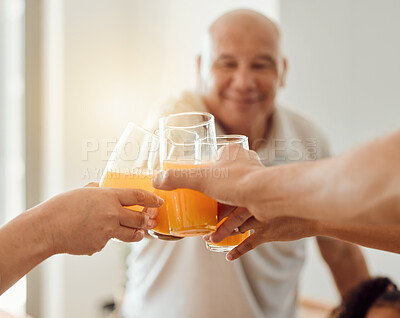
(44, 228)
(317, 228)
(304, 227)
(250, 187)
(269, 192)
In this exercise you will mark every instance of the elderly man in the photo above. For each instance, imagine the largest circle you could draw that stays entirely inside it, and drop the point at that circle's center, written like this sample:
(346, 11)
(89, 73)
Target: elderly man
(240, 70)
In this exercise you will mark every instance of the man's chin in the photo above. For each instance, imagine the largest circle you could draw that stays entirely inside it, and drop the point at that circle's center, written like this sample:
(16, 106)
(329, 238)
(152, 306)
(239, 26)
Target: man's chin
(243, 107)
(237, 123)
(243, 111)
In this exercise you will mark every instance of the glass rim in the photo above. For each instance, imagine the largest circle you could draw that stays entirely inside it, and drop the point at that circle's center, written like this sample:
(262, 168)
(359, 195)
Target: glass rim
(144, 130)
(239, 138)
(203, 123)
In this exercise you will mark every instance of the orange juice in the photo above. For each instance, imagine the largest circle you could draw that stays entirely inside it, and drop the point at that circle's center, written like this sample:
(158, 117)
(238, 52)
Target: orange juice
(162, 217)
(190, 212)
(128, 180)
(139, 181)
(231, 241)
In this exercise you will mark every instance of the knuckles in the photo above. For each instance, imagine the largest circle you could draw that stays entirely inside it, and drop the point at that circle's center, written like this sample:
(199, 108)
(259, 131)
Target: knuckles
(247, 246)
(241, 217)
(142, 219)
(133, 236)
(168, 176)
(140, 196)
(112, 215)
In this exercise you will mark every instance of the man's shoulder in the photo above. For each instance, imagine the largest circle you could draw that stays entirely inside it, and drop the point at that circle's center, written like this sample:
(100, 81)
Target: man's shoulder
(305, 128)
(300, 122)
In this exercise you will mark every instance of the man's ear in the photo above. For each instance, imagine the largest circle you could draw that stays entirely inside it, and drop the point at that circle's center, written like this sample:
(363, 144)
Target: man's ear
(282, 81)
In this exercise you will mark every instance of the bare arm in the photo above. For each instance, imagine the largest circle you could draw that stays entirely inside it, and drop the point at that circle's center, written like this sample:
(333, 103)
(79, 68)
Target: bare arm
(76, 222)
(359, 187)
(354, 197)
(23, 245)
(346, 263)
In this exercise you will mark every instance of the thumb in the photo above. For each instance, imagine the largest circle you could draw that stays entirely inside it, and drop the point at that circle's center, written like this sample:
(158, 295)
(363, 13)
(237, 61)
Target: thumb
(128, 197)
(182, 178)
(92, 185)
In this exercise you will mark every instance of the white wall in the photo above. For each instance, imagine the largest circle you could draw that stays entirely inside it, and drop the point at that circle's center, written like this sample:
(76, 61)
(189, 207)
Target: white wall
(12, 172)
(344, 71)
(100, 98)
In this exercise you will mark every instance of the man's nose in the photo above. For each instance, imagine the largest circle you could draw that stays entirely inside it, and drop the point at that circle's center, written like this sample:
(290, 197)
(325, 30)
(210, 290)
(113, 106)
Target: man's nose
(243, 80)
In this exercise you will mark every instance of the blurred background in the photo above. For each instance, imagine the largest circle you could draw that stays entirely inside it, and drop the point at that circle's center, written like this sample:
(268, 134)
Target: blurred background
(74, 72)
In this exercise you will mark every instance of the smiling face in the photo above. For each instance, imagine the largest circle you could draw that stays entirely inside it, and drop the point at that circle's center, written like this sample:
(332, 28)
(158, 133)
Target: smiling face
(242, 70)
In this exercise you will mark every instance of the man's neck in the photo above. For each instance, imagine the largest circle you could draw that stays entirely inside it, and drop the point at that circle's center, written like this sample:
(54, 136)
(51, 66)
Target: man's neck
(256, 133)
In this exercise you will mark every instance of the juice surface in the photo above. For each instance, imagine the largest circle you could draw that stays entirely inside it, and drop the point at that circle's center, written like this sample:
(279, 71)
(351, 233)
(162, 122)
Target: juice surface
(127, 180)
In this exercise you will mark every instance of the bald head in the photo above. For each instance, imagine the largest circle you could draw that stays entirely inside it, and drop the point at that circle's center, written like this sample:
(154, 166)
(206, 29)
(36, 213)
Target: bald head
(244, 19)
(241, 69)
(238, 25)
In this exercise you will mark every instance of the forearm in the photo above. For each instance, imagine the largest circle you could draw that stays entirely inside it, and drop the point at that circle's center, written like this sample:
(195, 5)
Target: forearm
(362, 186)
(23, 245)
(383, 237)
(359, 187)
(346, 263)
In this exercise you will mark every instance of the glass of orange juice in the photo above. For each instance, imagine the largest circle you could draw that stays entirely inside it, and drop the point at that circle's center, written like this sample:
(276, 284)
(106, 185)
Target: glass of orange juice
(132, 164)
(190, 212)
(230, 242)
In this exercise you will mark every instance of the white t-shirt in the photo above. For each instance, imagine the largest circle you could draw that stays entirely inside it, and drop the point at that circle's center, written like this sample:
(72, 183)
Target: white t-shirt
(184, 280)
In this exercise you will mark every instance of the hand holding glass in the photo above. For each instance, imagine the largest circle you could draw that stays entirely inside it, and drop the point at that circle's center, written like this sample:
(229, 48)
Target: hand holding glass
(132, 164)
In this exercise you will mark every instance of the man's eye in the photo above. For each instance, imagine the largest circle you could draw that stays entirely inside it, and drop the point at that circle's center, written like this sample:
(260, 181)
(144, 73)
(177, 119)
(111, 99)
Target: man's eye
(262, 66)
(227, 64)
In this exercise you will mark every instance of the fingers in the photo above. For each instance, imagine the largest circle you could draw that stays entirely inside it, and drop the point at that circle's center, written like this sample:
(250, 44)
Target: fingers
(129, 197)
(247, 245)
(184, 178)
(128, 235)
(135, 219)
(235, 151)
(253, 155)
(152, 212)
(236, 219)
(229, 152)
(251, 223)
(224, 210)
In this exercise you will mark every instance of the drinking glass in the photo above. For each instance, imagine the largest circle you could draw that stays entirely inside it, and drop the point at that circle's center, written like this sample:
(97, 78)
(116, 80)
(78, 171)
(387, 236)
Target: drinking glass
(190, 212)
(132, 164)
(230, 242)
